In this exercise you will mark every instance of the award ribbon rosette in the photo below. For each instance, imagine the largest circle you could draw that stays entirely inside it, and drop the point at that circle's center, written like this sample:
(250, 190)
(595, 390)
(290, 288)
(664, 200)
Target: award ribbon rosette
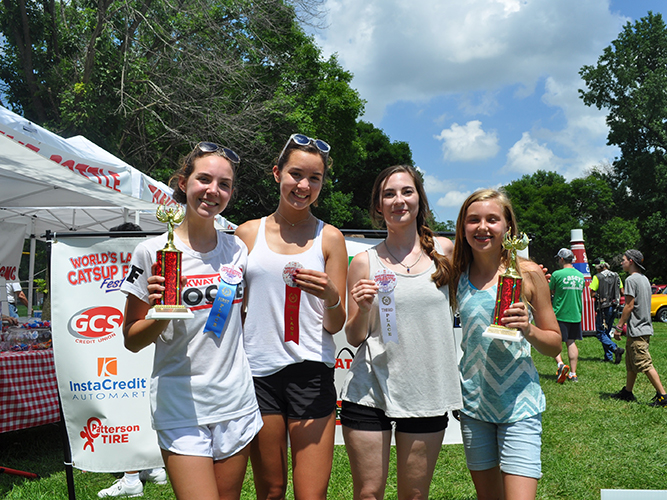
(386, 282)
(168, 262)
(292, 302)
(509, 291)
(230, 277)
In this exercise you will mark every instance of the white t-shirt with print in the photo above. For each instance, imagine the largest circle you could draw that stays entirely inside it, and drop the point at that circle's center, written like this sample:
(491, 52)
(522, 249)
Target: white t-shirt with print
(198, 378)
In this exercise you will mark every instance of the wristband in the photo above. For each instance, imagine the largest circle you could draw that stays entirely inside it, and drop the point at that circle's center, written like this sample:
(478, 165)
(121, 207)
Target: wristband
(329, 308)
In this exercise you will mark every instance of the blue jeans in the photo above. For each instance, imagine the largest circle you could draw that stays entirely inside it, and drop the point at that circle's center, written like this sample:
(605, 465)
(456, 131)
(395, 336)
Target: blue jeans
(605, 314)
(13, 310)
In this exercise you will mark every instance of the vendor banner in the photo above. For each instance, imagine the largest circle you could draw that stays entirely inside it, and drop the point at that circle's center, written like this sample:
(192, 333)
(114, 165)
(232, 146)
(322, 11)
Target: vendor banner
(104, 388)
(11, 249)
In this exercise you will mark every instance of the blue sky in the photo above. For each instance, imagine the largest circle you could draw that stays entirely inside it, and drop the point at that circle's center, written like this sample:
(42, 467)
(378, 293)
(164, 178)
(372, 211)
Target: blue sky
(484, 91)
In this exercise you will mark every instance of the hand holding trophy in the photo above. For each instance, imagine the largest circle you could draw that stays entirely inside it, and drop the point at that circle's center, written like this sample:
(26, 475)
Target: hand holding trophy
(509, 291)
(168, 262)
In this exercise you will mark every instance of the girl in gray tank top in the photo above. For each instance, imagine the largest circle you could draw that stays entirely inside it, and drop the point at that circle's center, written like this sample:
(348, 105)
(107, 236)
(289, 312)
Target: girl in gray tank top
(405, 370)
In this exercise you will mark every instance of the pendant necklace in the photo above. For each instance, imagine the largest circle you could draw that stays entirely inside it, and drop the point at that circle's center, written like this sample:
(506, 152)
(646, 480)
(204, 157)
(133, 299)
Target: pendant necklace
(401, 263)
(293, 223)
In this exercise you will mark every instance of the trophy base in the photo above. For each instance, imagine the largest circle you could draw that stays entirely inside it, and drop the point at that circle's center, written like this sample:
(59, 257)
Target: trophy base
(169, 312)
(503, 333)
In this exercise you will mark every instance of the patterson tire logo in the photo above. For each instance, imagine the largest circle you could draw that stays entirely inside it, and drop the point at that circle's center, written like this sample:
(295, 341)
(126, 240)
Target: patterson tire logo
(95, 324)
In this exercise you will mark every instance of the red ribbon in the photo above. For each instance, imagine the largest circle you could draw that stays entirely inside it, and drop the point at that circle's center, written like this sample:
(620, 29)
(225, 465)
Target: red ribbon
(292, 303)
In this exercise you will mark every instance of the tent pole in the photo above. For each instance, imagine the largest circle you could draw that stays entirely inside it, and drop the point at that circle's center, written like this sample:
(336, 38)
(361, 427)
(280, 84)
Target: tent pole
(31, 272)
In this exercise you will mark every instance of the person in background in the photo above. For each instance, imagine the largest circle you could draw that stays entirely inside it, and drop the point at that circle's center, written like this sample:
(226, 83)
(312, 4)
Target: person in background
(501, 418)
(203, 404)
(637, 316)
(567, 285)
(14, 296)
(132, 482)
(606, 288)
(412, 382)
(296, 273)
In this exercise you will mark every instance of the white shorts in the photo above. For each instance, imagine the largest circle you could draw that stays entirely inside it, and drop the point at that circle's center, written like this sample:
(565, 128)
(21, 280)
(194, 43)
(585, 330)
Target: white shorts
(217, 441)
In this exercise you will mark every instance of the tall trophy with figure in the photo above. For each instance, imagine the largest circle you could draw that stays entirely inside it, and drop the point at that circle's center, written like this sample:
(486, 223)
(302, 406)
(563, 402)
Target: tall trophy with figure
(168, 262)
(509, 291)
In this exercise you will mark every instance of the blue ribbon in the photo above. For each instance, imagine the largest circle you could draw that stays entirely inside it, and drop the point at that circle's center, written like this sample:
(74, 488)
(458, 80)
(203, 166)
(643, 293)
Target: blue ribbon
(221, 307)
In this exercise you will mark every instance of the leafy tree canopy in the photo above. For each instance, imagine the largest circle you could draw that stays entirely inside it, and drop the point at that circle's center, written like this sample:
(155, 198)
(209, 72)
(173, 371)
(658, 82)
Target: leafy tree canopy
(149, 79)
(548, 208)
(629, 80)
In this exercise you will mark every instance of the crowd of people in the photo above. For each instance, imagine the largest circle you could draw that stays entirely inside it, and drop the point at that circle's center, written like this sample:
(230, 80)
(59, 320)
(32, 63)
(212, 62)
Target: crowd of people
(261, 385)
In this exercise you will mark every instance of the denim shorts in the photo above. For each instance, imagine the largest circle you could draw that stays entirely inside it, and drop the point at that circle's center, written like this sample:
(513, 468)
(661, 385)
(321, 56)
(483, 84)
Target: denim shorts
(515, 447)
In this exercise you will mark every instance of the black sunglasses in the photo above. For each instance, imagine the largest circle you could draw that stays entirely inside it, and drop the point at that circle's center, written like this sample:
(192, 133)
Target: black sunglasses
(212, 147)
(304, 140)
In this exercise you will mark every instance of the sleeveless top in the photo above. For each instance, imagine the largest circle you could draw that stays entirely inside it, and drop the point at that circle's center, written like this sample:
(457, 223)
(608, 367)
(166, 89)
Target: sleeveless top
(418, 376)
(264, 329)
(499, 381)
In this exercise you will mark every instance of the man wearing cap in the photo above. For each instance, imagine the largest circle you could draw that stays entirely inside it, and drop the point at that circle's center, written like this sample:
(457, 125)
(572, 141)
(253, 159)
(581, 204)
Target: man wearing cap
(637, 315)
(606, 288)
(567, 285)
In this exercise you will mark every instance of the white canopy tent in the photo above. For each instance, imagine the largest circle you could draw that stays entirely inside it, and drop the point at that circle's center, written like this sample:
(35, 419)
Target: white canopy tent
(49, 183)
(45, 196)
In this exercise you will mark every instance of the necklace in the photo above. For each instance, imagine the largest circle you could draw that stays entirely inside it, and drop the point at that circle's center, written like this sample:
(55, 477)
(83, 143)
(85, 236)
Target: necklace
(293, 223)
(398, 260)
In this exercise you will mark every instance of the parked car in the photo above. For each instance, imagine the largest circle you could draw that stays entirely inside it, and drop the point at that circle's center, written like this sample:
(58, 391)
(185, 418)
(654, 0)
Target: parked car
(655, 289)
(659, 306)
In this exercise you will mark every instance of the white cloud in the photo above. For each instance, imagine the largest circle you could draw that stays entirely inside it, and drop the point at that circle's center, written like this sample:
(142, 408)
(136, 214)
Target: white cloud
(433, 185)
(527, 156)
(453, 199)
(468, 142)
(406, 50)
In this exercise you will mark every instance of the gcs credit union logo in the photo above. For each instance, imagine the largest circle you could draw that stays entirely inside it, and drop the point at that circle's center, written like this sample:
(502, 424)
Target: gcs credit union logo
(95, 324)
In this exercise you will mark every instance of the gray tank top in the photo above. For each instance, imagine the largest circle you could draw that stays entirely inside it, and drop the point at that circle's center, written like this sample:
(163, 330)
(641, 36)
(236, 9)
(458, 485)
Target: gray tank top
(418, 376)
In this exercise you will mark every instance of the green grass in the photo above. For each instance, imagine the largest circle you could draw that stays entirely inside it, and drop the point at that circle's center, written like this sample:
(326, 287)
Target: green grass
(590, 442)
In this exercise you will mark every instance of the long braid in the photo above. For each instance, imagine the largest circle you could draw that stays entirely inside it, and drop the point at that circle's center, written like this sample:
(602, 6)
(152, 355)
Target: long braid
(443, 268)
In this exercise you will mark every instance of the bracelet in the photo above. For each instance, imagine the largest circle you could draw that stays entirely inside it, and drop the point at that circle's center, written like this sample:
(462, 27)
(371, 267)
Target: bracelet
(329, 308)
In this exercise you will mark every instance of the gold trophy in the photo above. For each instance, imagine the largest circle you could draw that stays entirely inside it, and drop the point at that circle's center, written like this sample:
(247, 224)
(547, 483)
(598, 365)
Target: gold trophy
(509, 291)
(169, 267)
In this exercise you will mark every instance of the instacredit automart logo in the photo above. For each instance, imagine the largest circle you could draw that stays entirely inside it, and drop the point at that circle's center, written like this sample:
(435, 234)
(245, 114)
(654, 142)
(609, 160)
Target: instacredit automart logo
(95, 324)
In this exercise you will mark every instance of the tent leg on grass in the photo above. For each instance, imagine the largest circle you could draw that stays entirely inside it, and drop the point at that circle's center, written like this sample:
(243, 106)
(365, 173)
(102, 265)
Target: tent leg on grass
(69, 471)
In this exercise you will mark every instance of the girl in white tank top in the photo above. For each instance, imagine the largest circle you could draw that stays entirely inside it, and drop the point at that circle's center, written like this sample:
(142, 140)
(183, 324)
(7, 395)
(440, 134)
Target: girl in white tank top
(295, 302)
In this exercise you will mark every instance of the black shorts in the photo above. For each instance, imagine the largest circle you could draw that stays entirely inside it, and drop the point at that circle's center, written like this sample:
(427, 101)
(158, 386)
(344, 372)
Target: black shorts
(300, 391)
(365, 418)
(570, 331)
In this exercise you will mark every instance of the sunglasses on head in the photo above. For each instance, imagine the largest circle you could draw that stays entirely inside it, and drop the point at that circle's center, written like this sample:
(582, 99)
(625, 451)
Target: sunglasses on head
(212, 147)
(304, 140)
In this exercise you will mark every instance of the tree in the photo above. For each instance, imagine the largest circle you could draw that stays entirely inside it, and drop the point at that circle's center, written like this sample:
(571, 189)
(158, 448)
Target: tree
(372, 151)
(548, 208)
(149, 79)
(629, 80)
